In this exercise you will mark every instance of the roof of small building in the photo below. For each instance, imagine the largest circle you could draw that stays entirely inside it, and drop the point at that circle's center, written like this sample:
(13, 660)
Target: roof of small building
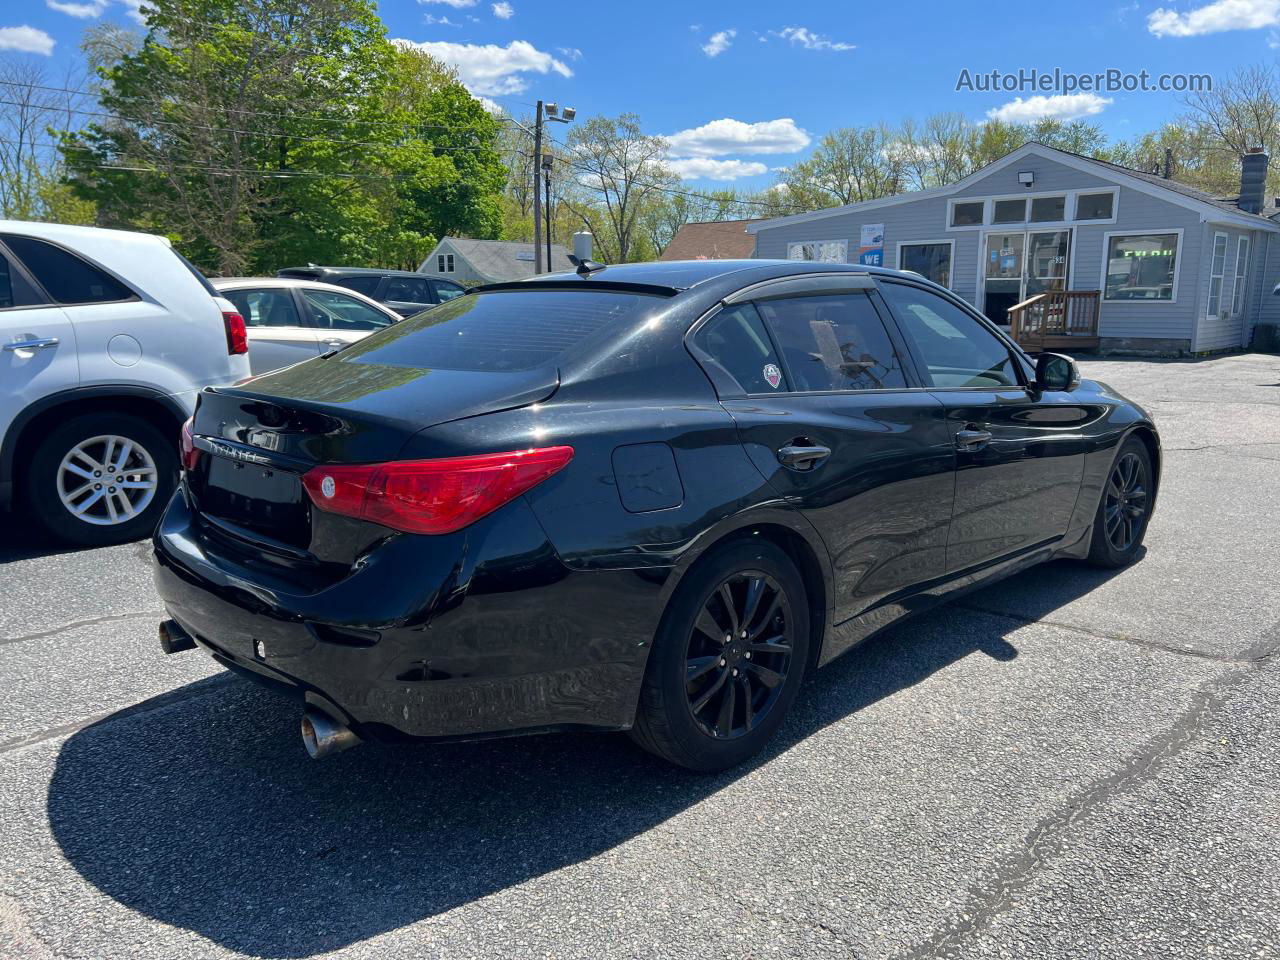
(499, 260)
(712, 240)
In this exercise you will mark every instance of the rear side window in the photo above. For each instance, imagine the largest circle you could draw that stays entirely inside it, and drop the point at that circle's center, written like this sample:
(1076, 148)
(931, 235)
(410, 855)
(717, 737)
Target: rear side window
(737, 340)
(834, 343)
(67, 278)
(195, 272)
(957, 350)
(407, 290)
(366, 285)
(502, 331)
(265, 308)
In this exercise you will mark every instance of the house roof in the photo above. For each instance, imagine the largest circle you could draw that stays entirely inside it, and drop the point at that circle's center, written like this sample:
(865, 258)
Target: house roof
(712, 240)
(499, 260)
(1210, 208)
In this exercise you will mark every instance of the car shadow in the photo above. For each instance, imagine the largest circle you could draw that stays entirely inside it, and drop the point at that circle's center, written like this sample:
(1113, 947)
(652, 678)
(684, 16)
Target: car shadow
(206, 814)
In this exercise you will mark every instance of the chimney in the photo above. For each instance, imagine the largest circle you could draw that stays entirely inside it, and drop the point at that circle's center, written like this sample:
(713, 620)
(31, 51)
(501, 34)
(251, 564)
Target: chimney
(582, 245)
(1253, 180)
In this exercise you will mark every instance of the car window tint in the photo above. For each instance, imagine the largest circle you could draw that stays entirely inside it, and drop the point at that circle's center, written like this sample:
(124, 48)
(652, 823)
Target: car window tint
(834, 343)
(407, 290)
(502, 331)
(66, 277)
(956, 349)
(447, 291)
(737, 340)
(337, 311)
(265, 308)
(366, 284)
(7, 298)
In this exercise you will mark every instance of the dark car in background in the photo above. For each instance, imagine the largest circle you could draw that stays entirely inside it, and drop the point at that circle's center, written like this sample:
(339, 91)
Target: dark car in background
(647, 497)
(403, 291)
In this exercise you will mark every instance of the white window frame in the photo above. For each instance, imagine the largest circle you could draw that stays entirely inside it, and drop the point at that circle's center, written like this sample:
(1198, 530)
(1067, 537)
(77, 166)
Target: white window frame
(1221, 276)
(819, 244)
(1242, 276)
(1106, 258)
(950, 243)
(1069, 209)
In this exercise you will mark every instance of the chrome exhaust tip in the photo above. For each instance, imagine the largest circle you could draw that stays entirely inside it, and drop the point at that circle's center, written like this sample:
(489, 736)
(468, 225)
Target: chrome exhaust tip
(323, 736)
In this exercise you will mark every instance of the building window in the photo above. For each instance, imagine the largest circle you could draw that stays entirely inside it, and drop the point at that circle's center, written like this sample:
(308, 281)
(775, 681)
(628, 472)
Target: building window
(930, 260)
(1009, 211)
(824, 251)
(967, 214)
(1048, 209)
(1242, 270)
(1217, 269)
(444, 263)
(1095, 206)
(1141, 266)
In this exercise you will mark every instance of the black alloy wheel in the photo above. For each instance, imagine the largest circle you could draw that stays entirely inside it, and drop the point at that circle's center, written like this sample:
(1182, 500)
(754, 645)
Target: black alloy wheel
(727, 660)
(1125, 501)
(739, 654)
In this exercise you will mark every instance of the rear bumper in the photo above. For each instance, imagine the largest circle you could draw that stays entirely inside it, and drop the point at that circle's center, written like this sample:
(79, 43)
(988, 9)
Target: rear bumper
(475, 634)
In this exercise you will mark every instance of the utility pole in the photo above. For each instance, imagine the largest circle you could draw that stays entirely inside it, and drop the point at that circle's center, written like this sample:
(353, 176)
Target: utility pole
(537, 192)
(546, 171)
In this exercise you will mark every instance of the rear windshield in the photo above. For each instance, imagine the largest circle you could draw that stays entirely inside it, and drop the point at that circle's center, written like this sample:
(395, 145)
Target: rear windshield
(502, 331)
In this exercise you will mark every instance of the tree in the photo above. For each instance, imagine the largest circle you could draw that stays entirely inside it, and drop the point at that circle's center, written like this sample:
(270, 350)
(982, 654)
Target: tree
(1239, 113)
(30, 165)
(618, 169)
(850, 165)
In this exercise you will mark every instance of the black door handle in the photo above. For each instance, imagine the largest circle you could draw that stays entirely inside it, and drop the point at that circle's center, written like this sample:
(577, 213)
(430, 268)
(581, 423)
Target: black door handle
(802, 457)
(972, 439)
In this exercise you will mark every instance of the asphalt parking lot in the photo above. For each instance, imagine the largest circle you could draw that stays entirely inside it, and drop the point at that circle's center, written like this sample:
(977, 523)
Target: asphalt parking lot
(1071, 763)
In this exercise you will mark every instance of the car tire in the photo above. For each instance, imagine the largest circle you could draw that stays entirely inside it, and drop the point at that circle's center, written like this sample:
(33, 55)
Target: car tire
(69, 486)
(757, 678)
(1124, 508)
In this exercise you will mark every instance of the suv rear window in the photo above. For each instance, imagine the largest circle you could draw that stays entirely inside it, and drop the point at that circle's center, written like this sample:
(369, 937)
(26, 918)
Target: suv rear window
(501, 331)
(368, 285)
(66, 277)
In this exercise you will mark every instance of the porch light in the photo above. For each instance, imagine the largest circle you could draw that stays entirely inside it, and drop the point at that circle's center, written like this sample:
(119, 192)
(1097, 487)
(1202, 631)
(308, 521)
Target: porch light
(1026, 178)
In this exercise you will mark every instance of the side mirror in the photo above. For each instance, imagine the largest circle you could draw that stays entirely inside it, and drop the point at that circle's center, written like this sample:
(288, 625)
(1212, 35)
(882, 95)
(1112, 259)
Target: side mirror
(1056, 372)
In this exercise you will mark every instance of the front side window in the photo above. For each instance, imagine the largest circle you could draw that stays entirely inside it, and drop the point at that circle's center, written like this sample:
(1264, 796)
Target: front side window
(407, 290)
(1048, 209)
(931, 260)
(265, 308)
(736, 339)
(821, 251)
(1141, 266)
(1095, 206)
(834, 343)
(66, 277)
(967, 214)
(447, 291)
(956, 350)
(337, 311)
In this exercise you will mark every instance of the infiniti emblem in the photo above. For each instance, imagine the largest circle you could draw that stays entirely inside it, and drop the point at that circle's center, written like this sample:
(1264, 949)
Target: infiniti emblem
(328, 487)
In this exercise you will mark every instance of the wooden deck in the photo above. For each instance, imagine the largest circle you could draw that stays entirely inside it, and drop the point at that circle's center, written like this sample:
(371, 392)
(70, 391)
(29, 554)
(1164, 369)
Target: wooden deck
(1057, 320)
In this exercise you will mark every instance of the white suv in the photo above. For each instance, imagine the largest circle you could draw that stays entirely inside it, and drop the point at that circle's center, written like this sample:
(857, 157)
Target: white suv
(106, 336)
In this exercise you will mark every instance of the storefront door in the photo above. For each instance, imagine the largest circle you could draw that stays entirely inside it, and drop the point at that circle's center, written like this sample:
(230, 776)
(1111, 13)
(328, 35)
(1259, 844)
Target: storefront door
(1020, 265)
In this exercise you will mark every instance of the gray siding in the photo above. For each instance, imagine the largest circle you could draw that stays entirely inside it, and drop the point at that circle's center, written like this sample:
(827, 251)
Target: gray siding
(1266, 307)
(463, 272)
(1218, 332)
(1050, 176)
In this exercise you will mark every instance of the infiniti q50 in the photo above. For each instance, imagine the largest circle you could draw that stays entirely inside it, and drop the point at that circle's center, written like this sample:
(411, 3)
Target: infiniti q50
(645, 497)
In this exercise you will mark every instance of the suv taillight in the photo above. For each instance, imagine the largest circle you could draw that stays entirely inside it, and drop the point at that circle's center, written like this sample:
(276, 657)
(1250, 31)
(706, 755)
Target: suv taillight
(432, 496)
(237, 338)
(190, 453)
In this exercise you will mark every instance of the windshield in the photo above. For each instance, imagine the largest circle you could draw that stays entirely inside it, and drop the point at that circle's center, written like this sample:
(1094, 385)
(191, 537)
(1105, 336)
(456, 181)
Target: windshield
(502, 331)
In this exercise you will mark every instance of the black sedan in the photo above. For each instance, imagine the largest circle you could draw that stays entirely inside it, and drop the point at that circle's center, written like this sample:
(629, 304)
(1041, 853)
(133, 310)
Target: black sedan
(645, 497)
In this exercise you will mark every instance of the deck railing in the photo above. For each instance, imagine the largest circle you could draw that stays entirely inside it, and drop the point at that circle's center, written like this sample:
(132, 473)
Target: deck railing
(1055, 314)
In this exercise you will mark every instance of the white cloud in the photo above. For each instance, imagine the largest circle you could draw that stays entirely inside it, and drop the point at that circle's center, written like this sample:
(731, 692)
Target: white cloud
(720, 137)
(719, 43)
(802, 36)
(26, 40)
(504, 10)
(432, 20)
(569, 53)
(82, 10)
(1215, 18)
(456, 4)
(135, 11)
(704, 168)
(491, 70)
(1062, 107)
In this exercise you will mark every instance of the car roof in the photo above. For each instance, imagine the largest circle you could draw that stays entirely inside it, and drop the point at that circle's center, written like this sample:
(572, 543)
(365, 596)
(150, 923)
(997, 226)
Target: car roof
(684, 274)
(68, 234)
(353, 271)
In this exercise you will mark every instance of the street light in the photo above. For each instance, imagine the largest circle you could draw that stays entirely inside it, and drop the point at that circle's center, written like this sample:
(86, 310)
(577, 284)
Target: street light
(552, 112)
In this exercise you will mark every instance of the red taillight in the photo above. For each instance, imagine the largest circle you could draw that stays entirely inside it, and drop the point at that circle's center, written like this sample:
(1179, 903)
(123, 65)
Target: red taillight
(237, 338)
(190, 452)
(432, 496)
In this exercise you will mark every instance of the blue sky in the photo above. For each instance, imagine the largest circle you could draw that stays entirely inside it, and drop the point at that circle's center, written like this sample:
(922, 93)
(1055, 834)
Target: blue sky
(745, 87)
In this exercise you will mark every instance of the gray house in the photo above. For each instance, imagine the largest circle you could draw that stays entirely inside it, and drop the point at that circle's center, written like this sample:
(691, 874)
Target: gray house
(1070, 252)
(472, 262)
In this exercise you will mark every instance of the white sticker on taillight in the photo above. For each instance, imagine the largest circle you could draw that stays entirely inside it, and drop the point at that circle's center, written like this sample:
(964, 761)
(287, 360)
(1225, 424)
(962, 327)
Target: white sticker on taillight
(328, 487)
